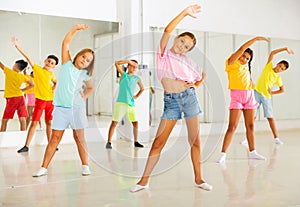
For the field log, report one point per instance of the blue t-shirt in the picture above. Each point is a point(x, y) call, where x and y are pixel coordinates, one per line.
point(126, 89)
point(69, 85)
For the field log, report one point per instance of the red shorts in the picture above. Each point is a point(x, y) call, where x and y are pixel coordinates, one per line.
point(40, 106)
point(13, 104)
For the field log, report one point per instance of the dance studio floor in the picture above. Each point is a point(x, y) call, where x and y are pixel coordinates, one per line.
point(241, 182)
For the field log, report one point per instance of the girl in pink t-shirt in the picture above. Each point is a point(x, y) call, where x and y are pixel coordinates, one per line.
point(179, 76)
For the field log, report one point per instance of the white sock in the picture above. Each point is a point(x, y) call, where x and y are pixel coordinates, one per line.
point(222, 157)
point(254, 155)
point(278, 141)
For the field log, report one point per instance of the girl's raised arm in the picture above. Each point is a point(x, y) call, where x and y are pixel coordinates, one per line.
point(189, 11)
point(65, 53)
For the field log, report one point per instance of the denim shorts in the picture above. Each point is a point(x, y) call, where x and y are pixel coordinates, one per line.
point(266, 103)
point(176, 104)
point(63, 117)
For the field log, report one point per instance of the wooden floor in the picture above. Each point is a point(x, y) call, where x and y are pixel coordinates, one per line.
point(240, 182)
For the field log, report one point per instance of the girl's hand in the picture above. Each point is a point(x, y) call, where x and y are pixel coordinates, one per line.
point(82, 95)
point(193, 9)
point(203, 75)
point(81, 26)
point(15, 41)
point(190, 84)
point(290, 51)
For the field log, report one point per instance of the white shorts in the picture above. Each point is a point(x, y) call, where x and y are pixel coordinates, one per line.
point(63, 117)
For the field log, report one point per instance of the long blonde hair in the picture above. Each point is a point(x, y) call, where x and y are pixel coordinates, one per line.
point(90, 68)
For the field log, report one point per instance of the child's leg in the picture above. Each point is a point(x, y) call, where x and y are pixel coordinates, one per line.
point(30, 111)
point(162, 135)
point(111, 130)
point(273, 127)
point(22, 121)
point(135, 130)
point(249, 124)
point(48, 128)
point(193, 128)
point(234, 117)
point(56, 137)
point(30, 133)
point(81, 145)
point(4, 125)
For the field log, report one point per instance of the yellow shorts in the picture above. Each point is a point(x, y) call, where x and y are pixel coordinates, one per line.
point(121, 109)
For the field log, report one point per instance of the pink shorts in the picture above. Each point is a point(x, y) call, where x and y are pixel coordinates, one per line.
point(30, 99)
point(242, 99)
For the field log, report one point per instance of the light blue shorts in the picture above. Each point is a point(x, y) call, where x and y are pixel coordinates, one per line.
point(176, 104)
point(63, 117)
point(266, 103)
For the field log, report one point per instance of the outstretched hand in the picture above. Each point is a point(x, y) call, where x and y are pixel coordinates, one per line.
point(193, 9)
point(81, 26)
point(15, 41)
point(290, 51)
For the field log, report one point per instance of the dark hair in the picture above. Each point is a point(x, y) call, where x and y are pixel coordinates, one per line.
point(191, 35)
point(90, 68)
point(134, 61)
point(21, 64)
point(54, 58)
point(250, 52)
point(285, 63)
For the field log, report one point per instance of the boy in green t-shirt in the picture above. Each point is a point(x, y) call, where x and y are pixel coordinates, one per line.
point(125, 100)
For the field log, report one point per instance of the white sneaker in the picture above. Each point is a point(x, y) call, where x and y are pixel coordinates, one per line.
point(204, 186)
point(244, 142)
point(278, 141)
point(137, 188)
point(41, 172)
point(254, 155)
point(222, 158)
point(85, 170)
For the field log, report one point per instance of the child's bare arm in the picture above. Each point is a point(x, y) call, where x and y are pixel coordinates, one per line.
point(189, 11)
point(68, 38)
point(15, 41)
point(1, 65)
point(237, 54)
point(89, 89)
point(274, 52)
point(141, 89)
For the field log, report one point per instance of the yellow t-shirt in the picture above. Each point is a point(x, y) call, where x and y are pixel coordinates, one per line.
point(43, 82)
point(31, 90)
point(13, 82)
point(239, 77)
point(267, 79)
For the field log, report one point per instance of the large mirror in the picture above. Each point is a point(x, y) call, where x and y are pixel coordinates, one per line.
point(41, 35)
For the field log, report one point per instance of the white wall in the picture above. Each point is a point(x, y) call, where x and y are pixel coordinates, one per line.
point(270, 18)
point(87, 9)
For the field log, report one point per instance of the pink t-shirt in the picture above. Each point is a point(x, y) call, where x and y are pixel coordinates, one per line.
point(176, 67)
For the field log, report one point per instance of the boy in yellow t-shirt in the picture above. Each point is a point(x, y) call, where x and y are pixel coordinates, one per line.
point(45, 83)
point(14, 95)
point(263, 89)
